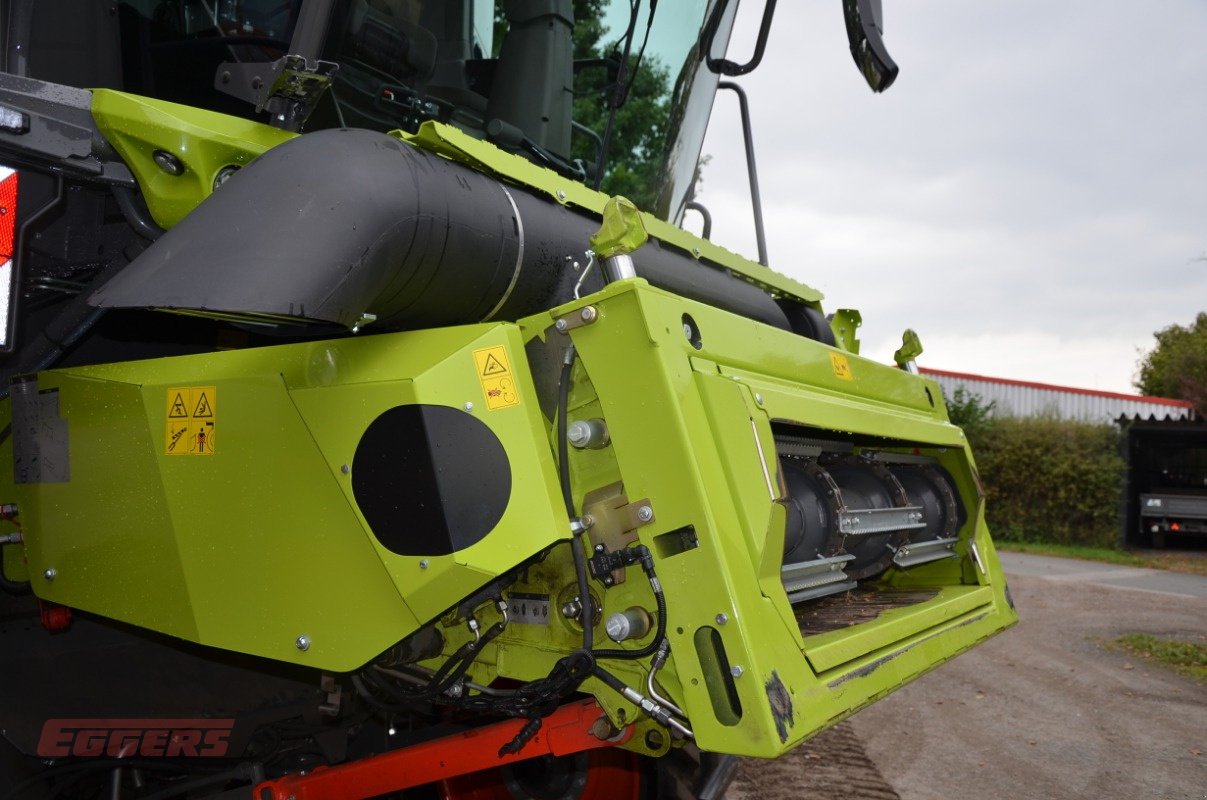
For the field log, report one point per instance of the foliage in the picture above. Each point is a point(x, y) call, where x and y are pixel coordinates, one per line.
point(1177, 366)
point(969, 411)
point(1051, 480)
point(1186, 657)
point(639, 132)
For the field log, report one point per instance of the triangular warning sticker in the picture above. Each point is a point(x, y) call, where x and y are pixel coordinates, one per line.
point(493, 366)
point(178, 410)
point(203, 408)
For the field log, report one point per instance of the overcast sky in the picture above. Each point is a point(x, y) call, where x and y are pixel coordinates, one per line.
point(1030, 196)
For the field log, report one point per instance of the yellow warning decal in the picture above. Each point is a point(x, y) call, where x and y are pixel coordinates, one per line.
point(842, 367)
point(495, 375)
point(192, 415)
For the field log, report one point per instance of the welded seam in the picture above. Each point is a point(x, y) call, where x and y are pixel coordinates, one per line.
point(519, 258)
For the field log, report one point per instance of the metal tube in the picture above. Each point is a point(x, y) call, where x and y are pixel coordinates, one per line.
point(751, 170)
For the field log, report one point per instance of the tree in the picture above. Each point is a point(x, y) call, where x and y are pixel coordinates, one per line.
point(1177, 366)
point(969, 411)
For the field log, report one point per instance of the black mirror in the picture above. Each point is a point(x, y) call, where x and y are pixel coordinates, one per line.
point(864, 27)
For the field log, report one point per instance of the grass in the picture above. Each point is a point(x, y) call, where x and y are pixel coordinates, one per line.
point(1172, 561)
point(1184, 657)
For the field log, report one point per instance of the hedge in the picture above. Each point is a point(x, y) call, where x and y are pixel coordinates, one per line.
point(1050, 480)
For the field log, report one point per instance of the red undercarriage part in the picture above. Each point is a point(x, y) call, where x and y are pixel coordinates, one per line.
point(571, 729)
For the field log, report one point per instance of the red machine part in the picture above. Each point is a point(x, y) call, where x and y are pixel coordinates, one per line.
point(54, 616)
point(571, 729)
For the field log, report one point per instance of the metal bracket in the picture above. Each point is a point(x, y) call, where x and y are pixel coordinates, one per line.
point(289, 87)
point(616, 520)
point(330, 707)
point(915, 553)
point(587, 315)
point(810, 579)
point(864, 521)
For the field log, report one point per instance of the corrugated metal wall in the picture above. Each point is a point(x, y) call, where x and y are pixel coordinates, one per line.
point(1023, 399)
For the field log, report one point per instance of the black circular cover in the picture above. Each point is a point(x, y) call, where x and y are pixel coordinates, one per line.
point(430, 480)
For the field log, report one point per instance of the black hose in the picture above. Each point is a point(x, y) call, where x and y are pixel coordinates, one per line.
point(647, 565)
point(10, 586)
point(563, 469)
point(137, 218)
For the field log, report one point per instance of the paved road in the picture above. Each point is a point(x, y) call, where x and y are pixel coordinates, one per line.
point(1043, 712)
point(1071, 570)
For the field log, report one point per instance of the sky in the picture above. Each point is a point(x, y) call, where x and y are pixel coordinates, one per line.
point(1030, 196)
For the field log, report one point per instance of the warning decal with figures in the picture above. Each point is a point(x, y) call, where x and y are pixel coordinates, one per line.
point(192, 413)
point(495, 375)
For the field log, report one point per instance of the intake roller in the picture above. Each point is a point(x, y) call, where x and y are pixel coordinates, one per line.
point(343, 227)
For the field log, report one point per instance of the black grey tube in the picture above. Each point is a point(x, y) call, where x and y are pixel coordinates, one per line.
point(342, 226)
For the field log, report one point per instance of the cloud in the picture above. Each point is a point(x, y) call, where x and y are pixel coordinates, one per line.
point(1037, 178)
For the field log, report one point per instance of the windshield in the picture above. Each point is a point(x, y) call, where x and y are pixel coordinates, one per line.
point(538, 79)
point(541, 85)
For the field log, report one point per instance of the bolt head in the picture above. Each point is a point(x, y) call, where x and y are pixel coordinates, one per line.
point(645, 513)
point(588, 314)
point(722, 618)
point(50, 574)
point(345, 469)
point(758, 398)
point(167, 162)
point(302, 643)
point(469, 406)
point(736, 670)
point(561, 195)
point(561, 325)
point(423, 563)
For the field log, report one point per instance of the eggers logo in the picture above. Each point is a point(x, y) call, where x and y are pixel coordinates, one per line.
point(124, 738)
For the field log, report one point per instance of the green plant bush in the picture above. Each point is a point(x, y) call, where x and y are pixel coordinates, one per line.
point(1050, 480)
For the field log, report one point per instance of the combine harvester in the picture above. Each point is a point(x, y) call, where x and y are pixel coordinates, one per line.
point(354, 445)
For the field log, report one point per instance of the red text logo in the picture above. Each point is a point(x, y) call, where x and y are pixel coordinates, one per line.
point(127, 738)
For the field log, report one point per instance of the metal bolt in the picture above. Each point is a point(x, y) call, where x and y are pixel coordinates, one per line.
point(224, 175)
point(167, 162)
point(423, 563)
point(758, 398)
point(469, 406)
point(302, 643)
point(645, 513)
point(589, 314)
point(599, 548)
point(50, 574)
point(608, 580)
point(561, 325)
point(736, 670)
point(722, 618)
point(561, 195)
point(687, 331)
point(345, 469)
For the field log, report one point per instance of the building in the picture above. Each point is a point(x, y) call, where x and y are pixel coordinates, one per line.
point(1028, 399)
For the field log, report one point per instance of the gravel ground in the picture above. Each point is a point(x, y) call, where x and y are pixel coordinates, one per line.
point(1043, 711)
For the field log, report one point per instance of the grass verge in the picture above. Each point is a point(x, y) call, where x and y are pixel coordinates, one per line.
point(1185, 657)
point(1174, 562)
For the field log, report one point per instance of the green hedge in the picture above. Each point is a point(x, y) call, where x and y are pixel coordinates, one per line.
point(1050, 480)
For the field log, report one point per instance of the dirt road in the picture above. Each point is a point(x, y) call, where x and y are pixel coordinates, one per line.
point(1042, 712)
